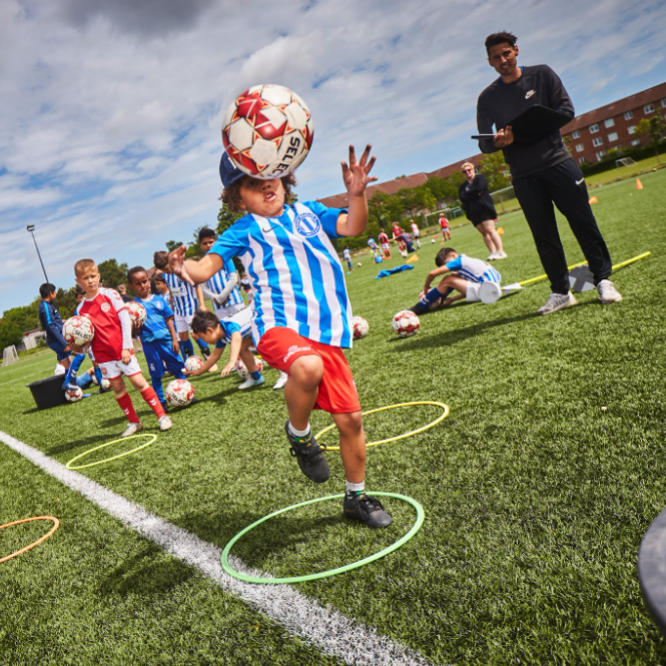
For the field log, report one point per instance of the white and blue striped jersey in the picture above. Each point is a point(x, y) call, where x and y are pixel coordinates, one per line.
point(219, 281)
point(297, 279)
point(474, 270)
point(184, 295)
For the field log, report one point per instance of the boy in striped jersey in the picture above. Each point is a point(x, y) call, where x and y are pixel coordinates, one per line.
point(185, 299)
point(234, 332)
point(465, 275)
point(301, 309)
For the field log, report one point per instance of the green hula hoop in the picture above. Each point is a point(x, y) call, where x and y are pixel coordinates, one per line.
point(331, 572)
point(441, 417)
point(120, 455)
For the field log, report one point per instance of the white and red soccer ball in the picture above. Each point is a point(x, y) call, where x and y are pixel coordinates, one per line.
point(179, 393)
point(267, 131)
point(406, 323)
point(106, 384)
point(360, 327)
point(78, 330)
point(193, 363)
point(137, 313)
point(73, 394)
point(241, 368)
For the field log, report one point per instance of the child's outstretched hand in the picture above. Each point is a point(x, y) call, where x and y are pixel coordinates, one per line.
point(177, 264)
point(227, 369)
point(355, 174)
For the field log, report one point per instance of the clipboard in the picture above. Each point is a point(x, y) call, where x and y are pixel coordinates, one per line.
point(534, 124)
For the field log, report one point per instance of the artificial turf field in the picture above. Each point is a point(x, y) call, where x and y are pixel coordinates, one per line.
point(536, 499)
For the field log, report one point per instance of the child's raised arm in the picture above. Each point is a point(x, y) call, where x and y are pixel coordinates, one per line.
point(355, 177)
point(194, 272)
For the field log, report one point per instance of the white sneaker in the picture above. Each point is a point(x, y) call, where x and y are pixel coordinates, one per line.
point(282, 380)
point(165, 423)
point(557, 302)
point(492, 256)
point(250, 382)
point(501, 255)
point(608, 293)
point(132, 429)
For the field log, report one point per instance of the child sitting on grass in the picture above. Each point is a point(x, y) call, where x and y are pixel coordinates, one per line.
point(112, 345)
point(236, 333)
point(301, 309)
point(465, 275)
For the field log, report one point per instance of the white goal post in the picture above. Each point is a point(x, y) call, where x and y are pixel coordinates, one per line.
point(624, 161)
point(9, 356)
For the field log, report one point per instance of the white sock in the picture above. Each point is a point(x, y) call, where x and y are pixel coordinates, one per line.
point(299, 433)
point(355, 487)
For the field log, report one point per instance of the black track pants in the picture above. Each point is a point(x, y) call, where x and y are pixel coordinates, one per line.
point(564, 186)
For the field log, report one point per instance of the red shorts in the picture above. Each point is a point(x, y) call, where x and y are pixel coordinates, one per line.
point(280, 347)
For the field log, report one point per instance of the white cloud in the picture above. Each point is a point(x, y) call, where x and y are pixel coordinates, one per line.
point(112, 138)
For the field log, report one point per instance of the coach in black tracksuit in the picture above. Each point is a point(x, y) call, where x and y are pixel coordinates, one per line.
point(543, 172)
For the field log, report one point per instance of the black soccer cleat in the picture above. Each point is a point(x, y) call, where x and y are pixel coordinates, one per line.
point(310, 458)
point(205, 352)
point(419, 309)
point(165, 406)
point(366, 509)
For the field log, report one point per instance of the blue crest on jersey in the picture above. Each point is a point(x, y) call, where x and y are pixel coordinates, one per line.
point(307, 224)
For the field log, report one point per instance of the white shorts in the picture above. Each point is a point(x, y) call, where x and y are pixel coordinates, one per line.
point(115, 369)
point(385, 246)
point(183, 323)
point(472, 295)
point(225, 312)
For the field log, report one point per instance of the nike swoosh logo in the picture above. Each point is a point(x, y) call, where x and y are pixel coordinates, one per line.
point(529, 94)
point(578, 182)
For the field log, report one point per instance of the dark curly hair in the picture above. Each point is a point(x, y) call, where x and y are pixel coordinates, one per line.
point(498, 38)
point(232, 199)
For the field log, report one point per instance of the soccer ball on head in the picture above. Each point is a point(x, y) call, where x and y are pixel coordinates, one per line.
point(267, 131)
point(406, 323)
point(360, 327)
point(137, 313)
point(73, 394)
point(241, 368)
point(179, 393)
point(78, 330)
point(193, 363)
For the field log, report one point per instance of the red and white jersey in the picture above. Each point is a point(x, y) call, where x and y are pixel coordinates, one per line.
point(383, 239)
point(443, 222)
point(415, 229)
point(103, 311)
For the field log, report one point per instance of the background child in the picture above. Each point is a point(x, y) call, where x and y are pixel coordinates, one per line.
point(416, 232)
point(51, 322)
point(465, 275)
point(301, 323)
point(372, 244)
point(445, 227)
point(158, 333)
point(112, 345)
point(346, 255)
point(185, 299)
point(384, 242)
point(234, 332)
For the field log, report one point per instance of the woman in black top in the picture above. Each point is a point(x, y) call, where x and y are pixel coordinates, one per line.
point(480, 210)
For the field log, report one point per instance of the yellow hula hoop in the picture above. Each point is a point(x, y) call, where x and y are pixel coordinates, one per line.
point(152, 437)
point(56, 524)
point(393, 439)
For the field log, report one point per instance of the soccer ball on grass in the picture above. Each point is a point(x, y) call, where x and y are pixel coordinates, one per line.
point(73, 394)
point(179, 393)
point(193, 363)
point(360, 327)
point(241, 368)
point(406, 323)
point(78, 330)
point(267, 131)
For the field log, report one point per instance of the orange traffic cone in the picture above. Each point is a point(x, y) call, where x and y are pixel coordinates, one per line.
point(500, 231)
point(639, 185)
point(593, 200)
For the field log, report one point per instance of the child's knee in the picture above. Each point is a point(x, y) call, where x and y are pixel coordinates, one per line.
point(349, 425)
point(307, 371)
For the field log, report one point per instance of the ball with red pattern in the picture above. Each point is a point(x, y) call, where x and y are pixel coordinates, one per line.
point(241, 368)
point(137, 313)
point(267, 131)
point(406, 323)
point(78, 330)
point(73, 394)
point(360, 327)
point(193, 363)
point(179, 393)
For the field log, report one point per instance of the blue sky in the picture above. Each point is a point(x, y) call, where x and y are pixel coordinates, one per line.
point(110, 140)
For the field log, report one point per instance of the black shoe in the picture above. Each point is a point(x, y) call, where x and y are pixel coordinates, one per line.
point(102, 390)
point(310, 458)
point(205, 353)
point(165, 406)
point(367, 509)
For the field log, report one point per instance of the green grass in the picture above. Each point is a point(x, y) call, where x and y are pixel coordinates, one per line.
point(536, 499)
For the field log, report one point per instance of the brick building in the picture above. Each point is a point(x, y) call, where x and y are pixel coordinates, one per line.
point(594, 133)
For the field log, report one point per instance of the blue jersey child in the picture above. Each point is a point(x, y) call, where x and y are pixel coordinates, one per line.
point(51, 323)
point(158, 333)
point(233, 331)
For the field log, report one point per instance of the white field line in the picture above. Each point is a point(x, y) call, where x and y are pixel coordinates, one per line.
point(328, 630)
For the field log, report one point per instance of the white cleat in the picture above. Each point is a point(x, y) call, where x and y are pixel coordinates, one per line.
point(132, 429)
point(492, 256)
point(250, 382)
point(281, 381)
point(557, 302)
point(501, 255)
point(608, 293)
point(165, 423)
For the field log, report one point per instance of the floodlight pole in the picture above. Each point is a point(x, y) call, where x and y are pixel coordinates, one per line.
point(31, 229)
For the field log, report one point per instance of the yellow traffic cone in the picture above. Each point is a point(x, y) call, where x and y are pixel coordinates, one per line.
point(500, 231)
point(412, 259)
